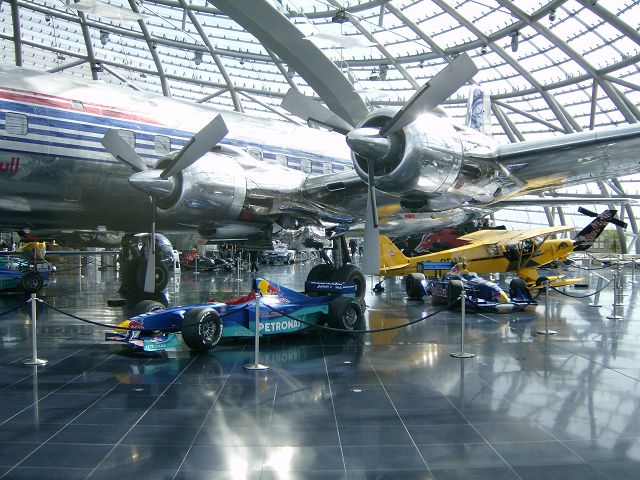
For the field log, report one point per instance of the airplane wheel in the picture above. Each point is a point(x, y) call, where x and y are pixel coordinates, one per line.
point(540, 283)
point(455, 290)
point(352, 274)
point(147, 306)
point(161, 276)
point(201, 329)
point(346, 314)
point(31, 282)
point(413, 285)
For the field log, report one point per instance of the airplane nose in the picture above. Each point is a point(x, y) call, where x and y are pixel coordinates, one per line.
point(149, 182)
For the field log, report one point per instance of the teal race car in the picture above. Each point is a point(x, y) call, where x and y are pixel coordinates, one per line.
point(28, 281)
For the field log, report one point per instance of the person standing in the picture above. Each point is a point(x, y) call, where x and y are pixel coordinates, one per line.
point(253, 261)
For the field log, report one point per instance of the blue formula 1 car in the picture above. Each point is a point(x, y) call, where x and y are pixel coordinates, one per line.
point(203, 325)
point(480, 294)
point(29, 281)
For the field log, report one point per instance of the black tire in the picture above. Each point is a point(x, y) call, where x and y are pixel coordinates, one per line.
point(129, 275)
point(201, 329)
point(352, 274)
point(320, 273)
point(31, 282)
point(147, 306)
point(518, 288)
point(454, 291)
point(413, 285)
point(345, 313)
point(540, 283)
point(161, 276)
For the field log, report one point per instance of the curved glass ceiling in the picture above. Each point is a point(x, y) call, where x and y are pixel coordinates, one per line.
point(551, 67)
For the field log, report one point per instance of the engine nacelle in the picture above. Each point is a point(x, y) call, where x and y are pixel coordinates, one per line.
point(423, 158)
point(211, 190)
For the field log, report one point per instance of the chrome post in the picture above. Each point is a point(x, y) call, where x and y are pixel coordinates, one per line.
point(614, 315)
point(596, 298)
point(546, 330)
point(618, 287)
point(462, 353)
point(256, 361)
point(34, 336)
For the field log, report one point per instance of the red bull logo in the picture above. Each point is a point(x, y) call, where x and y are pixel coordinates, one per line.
point(10, 167)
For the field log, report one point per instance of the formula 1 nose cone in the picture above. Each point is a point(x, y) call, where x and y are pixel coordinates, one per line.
point(150, 183)
point(368, 143)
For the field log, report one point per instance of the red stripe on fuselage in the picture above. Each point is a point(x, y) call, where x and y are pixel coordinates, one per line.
point(66, 104)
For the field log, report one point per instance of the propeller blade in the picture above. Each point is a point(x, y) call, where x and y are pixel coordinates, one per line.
point(308, 109)
point(122, 151)
point(371, 251)
point(433, 93)
point(587, 212)
point(618, 223)
point(150, 273)
point(368, 143)
point(197, 146)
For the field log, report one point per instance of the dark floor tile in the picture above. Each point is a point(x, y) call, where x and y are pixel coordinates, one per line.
point(373, 435)
point(401, 473)
point(125, 400)
point(563, 472)
point(618, 470)
point(141, 458)
point(47, 472)
point(28, 432)
point(45, 415)
point(114, 416)
point(161, 435)
point(216, 475)
point(382, 458)
point(513, 432)
point(302, 458)
point(68, 400)
point(66, 456)
point(302, 435)
point(522, 454)
point(461, 455)
point(367, 417)
point(183, 417)
point(13, 453)
point(91, 434)
point(429, 434)
point(439, 416)
point(475, 474)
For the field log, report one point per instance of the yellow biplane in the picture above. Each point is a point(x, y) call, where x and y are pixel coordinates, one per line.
point(494, 251)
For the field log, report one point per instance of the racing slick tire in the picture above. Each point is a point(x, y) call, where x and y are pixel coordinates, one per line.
point(31, 282)
point(345, 313)
point(201, 329)
point(352, 274)
point(320, 273)
point(161, 276)
point(454, 291)
point(147, 306)
point(413, 285)
point(518, 290)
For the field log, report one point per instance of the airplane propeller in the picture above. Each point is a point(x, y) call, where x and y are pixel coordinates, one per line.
point(157, 183)
point(375, 144)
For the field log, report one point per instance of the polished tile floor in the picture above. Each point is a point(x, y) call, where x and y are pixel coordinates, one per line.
point(391, 405)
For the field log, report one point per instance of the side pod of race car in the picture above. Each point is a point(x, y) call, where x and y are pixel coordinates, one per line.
point(154, 327)
point(480, 294)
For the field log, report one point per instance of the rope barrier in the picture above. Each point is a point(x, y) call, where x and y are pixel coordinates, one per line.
point(15, 308)
point(582, 296)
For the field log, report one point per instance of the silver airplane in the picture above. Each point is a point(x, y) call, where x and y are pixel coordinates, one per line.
point(240, 177)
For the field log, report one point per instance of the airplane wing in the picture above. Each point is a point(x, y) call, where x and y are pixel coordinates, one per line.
point(490, 237)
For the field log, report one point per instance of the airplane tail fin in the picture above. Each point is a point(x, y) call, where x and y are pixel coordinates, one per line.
point(478, 114)
point(585, 238)
point(390, 256)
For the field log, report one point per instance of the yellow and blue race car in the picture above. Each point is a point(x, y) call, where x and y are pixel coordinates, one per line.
point(281, 310)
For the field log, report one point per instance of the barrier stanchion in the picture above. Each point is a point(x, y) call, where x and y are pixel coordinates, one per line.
point(34, 336)
point(616, 304)
point(618, 286)
point(596, 298)
point(546, 330)
point(633, 270)
point(462, 353)
point(256, 365)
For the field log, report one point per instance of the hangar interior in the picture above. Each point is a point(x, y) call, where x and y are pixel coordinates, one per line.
point(390, 404)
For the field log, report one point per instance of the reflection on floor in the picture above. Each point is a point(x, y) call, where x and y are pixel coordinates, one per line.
point(385, 405)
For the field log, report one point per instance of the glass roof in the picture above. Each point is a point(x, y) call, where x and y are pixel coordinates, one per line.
point(551, 66)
